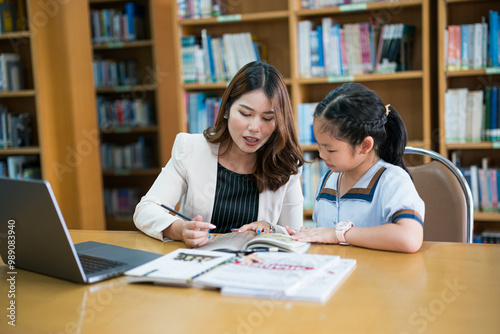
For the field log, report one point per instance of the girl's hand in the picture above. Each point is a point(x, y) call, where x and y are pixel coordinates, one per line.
point(195, 233)
point(325, 235)
point(291, 231)
point(258, 227)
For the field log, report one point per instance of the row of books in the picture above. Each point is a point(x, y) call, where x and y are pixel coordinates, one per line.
point(11, 72)
point(305, 113)
point(120, 202)
point(12, 15)
point(315, 4)
point(311, 174)
point(15, 129)
point(215, 59)
point(124, 113)
point(113, 73)
point(472, 116)
point(118, 25)
point(330, 50)
point(484, 183)
point(127, 157)
point(202, 110)
point(467, 46)
point(196, 9)
point(489, 236)
point(20, 167)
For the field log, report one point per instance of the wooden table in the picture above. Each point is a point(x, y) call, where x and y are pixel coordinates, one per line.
point(444, 288)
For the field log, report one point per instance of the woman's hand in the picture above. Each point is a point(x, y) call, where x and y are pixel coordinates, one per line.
point(258, 227)
point(325, 235)
point(192, 233)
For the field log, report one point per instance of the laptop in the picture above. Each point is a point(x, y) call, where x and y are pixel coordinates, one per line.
point(34, 235)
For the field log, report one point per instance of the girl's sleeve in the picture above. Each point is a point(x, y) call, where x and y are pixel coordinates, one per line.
point(401, 199)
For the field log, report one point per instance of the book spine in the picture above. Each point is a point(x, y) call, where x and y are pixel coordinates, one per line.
point(494, 188)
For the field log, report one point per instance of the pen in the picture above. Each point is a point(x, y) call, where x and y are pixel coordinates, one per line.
point(259, 249)
point(250, 250)
point(173, 211)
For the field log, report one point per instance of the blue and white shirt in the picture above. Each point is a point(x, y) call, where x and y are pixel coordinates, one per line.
point(384, 194)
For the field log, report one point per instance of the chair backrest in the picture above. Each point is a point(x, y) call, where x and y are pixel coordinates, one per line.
point(449, 213)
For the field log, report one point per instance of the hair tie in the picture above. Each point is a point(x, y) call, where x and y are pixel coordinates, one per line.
point(387, 110)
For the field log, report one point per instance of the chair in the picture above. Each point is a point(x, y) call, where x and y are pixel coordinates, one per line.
point(449, 213)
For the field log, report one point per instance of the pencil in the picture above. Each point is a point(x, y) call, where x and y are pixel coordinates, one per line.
point(175, 212)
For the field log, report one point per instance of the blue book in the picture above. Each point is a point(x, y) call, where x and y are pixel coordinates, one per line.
point(321, 58)
point(135, 21)
point(129, 11)
point(335, 38)
point(256, 51)
point(494, 112)
point(207, 55)
point(493, 35)
point(202, 113)
point(192, 112)
point(464, 64)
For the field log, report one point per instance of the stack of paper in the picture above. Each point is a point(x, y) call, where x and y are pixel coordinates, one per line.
point(318, 289)
point(272, 273)
point(276, 275)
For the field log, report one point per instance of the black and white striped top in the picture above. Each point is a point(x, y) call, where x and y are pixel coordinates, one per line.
point(236, 200)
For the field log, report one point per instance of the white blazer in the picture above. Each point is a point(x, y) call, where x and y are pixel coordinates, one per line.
point(191, 175)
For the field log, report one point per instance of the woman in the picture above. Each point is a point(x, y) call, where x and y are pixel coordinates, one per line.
point(243, 173)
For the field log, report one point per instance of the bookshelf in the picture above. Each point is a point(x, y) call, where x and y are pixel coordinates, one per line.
point(18, 98)
point(453, 13)
point(275, 25)
point(132, 79)
point(53, 65)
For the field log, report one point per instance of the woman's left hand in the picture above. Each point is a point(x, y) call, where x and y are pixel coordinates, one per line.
point(259, 226)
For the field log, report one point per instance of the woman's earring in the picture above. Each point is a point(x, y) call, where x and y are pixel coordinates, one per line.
point(226, 116)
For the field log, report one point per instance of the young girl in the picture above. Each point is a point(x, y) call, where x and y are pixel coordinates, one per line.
point(367, 198)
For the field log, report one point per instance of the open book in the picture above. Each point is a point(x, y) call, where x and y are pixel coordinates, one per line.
point(318, 289)
point(178, 268)
point(274, 273)
point(236, 241)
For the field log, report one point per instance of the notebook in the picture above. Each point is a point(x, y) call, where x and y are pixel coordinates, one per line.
point(34, 237)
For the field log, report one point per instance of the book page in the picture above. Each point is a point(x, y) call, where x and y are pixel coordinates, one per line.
point(318, 289)
point(233, 241)
point(283, 242)
point(180, 265)
point(277, 272)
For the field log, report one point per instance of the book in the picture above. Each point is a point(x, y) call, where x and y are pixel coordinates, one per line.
point(11, 72)
point(178, 268)
point(318, 289)
point(23, 167)
point(272, 272)
point(236, 241)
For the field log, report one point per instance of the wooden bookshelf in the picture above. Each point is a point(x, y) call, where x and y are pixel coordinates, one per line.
point(154, 73)
point(458, 12)
point(275, 25)
point(57, 95)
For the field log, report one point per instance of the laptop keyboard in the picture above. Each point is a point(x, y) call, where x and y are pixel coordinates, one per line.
point(92, 264)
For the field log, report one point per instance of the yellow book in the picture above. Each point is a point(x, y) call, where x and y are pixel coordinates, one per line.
point(7, 15)
point(21, 16)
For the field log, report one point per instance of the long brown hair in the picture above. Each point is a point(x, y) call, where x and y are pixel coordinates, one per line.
point(281, 156)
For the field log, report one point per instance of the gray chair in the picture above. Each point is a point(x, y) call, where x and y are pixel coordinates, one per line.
point(449, 212)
